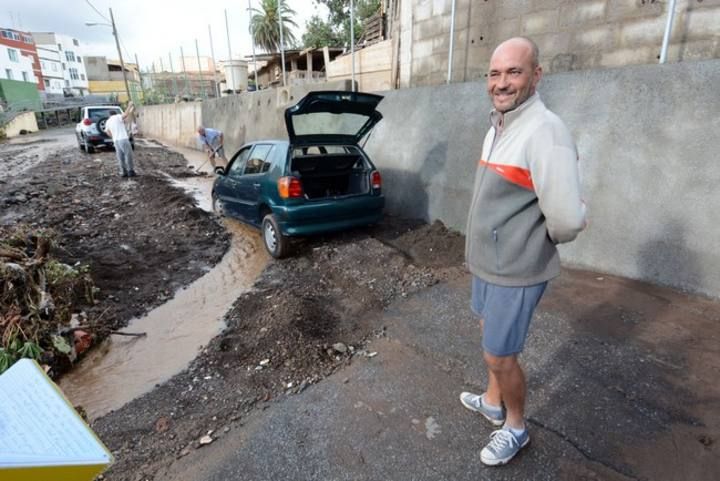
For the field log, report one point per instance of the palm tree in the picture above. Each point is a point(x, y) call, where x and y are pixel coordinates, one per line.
point(266, 28)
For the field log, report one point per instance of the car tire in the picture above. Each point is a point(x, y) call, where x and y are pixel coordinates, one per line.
point(218, 206)
point(274, 241)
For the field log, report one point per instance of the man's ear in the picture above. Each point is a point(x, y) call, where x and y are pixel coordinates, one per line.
point(537, 74)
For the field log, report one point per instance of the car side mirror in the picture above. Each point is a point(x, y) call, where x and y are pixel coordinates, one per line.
point(220, 170)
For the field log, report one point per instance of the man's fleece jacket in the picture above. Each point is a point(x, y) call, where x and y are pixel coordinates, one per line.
point(526, 198)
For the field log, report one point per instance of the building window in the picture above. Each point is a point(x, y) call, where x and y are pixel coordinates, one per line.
point(74, 74)
point(70, 55)
point(12, 53)
point(78, 59)
point(8, 74)
point(76, 43)
point(42, 65)
point(82, 76)
point(60, 47)
point(54, 66)
point(5, 33)
point(25, 77)
point(63, 66)
point(47, 83)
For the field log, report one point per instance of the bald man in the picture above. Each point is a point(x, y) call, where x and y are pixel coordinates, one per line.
point(526, 200)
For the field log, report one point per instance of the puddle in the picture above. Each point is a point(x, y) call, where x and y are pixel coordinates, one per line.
point(123, 368)
point(200, 188)
point(21, 153)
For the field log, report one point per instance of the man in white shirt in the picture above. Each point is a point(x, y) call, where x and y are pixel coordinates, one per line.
point(115, 128)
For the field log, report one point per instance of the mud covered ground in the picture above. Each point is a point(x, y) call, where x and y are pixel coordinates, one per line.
point(306, 316)
point(141, 238)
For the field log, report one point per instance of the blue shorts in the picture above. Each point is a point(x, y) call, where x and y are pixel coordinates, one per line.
point(506, 314)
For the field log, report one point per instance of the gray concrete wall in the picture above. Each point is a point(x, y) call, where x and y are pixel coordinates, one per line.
point(648, 142)
point(242, 118)
point(571, 34)
point(647, 137)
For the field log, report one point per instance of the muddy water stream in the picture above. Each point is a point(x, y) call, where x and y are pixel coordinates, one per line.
point(123, 368)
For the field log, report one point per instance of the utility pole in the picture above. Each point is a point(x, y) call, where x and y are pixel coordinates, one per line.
point(212, 53)
point(452, 42)
point(142, 87)
point(232, 67)
point(122, 64)
point(282, 41)
point(200, 74)
point(352, 42)
point(252, 42)
point(172, 74)
point(182, 58)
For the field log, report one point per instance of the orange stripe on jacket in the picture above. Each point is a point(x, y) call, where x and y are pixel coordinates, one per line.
point(515, 175)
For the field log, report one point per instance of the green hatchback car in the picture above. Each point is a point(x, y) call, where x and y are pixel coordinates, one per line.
point(319, 181)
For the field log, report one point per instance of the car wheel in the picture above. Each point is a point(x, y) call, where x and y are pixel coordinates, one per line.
point(218, 206)
point(87, 146)
point(275, 242)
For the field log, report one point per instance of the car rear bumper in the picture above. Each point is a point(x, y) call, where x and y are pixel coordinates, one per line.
point(333, 215)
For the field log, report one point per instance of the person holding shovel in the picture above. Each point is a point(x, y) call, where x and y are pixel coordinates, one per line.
point(212, 141)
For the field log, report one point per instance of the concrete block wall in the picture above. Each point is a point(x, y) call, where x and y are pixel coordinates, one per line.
point(174, 123)
point(372, 67)
point(242, 118)
point(648, 157)
point(646, 137)
point(571, 34)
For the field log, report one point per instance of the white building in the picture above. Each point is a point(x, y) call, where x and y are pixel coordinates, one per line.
point(52, 71)
point(15, 66)
point(71, 55)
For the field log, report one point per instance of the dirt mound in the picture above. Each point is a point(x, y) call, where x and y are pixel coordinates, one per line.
point(141, 239)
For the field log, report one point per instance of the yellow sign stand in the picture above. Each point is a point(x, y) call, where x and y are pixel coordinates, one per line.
point(42, 437)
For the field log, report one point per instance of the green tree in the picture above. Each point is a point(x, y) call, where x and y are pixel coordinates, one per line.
point(266, 28)
point(319, 33)
point(339, 18)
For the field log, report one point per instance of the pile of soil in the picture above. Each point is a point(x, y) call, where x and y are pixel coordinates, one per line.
point(142, 238)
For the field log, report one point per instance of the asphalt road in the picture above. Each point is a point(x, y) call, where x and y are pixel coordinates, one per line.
point(622, 385)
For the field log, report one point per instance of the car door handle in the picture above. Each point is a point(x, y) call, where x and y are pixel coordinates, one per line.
point(256, 185)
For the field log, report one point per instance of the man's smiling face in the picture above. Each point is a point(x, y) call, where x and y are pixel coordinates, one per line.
point(513, 75)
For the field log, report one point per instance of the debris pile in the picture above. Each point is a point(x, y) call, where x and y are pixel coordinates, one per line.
point(39, 301)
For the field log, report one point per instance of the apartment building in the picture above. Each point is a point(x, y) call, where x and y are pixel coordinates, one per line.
point(18, 57)
point(51, 67)
point(71, 60)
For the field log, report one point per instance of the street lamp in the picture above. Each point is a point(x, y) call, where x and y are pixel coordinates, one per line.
point(117, 44)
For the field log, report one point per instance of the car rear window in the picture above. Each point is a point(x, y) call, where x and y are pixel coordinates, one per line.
point(97, 114)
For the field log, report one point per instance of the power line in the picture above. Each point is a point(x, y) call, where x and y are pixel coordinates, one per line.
point(97, 11)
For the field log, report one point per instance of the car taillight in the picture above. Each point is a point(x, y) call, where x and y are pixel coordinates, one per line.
point(87, 122)
point(376, 180)
point(290, 188)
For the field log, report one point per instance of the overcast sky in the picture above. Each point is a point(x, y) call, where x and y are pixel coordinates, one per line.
point(149, 28)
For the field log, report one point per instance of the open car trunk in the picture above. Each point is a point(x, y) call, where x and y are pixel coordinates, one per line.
point(331, 175)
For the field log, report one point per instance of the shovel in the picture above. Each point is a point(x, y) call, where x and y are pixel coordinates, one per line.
point(211, 156)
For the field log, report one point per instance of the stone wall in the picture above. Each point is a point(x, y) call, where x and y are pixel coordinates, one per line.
point(571, 34)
